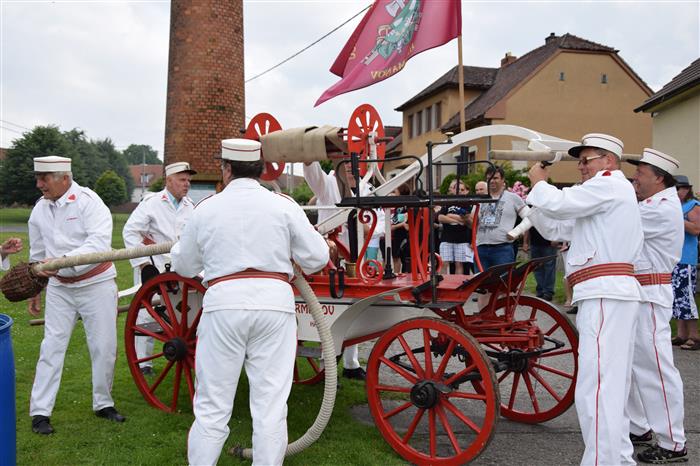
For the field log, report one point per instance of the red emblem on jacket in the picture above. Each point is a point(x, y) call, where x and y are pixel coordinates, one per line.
point(72, 197)
point(607, 173)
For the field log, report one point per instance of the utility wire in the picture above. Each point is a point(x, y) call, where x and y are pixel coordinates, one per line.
point(309, 46)
point(15, 124)
point(10, 129)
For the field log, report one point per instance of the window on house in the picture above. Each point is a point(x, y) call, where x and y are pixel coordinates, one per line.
point(437, 114)
point(427, 119)
point(410, 126)
point(603, 78)
point(562, 76)
point(419, 123)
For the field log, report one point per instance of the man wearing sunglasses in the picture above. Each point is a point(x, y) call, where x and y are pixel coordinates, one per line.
point(601, 219)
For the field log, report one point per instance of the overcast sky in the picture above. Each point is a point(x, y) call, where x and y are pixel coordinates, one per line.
point(102, 66)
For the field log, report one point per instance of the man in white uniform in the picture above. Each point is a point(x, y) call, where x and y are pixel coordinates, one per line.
point(9, 246)
point(70, 220)
point(157, 219)
point(245, 239)
point(656, 395)
point(327, 190)
point(601, 219)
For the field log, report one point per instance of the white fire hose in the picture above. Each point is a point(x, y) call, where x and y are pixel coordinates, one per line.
point(324, 331)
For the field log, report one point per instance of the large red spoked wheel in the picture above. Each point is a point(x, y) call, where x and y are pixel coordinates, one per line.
point(541, 387)
point(308, 367)
point(363, 121)
point(260, 125)
point(174, 304)
point(420, 388)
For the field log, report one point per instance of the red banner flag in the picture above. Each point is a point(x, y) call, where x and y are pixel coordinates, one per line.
point(390, 34)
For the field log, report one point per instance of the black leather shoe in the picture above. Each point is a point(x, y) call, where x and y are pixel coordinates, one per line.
point(357, 374)
point(42, 425)
point(111, 414)
point(573, 310)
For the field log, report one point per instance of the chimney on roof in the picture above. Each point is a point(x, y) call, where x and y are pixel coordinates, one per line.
point(550, 38)
point(508, 59)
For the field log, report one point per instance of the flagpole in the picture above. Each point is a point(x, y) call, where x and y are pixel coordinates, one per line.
point(460, 77)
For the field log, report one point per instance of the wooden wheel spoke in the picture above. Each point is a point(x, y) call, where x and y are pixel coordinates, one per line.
point(189, 380)
point(149, 358)
point(467, 396)
point(397, 410)
point(554, 371)
point(546, 385)
point(176, 385)
point(167, 328)
point(533, 313)
point(157, 336)
point(412, 427)
point(195, 323)
point(461, 416)
point(428, 354)
point(393, 388)
point(516, 381)
point(552, 328)
point(399, 370)
point(312, 363)
point(459, 374)
point(432, 428)
point(446, 358)
point(556, 353)
point(450, 433)
point(412, 357)
point(503, 377)
point(160, 378)
point(168, 306)
point(531, 392)
point(296, 372)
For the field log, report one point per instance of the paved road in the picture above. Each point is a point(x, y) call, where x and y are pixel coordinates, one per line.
point(558, 442)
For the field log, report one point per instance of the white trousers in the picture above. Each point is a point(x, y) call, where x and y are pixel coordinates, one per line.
point(351, 357)
point(606, 337)
point(263, 341)
point(97, 305)
point(656, 396)
point(143, 345)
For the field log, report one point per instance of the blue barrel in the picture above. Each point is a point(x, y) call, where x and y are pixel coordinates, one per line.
point(8, 435)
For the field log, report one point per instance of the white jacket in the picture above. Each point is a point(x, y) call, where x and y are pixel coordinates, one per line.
point(77, 223)
point(155, 220)
point(664, 233)
point(601, 220)
point(246, 226)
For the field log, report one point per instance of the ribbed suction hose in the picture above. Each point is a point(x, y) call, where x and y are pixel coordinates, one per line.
point(331, 370)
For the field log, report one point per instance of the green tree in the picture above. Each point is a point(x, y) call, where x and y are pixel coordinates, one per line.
point(302, 194)
point(92, 162)
point(111, 188)
point(135, 154)
point(157, 185)
point(17, 183)
point(117, 162)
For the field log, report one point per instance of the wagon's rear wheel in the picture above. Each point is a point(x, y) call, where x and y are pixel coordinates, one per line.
point(420, 391)
point(260, 125)
point(175, 305)
point(308, 367)
point(542, 387)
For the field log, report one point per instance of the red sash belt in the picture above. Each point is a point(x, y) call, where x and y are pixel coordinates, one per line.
point(250, 273)
point(103, 267)
point(646, 279)
point(600, 270)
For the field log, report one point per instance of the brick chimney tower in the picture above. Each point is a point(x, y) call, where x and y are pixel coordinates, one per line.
point(206, 91)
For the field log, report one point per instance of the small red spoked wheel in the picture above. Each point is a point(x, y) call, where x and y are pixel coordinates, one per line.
point(539, 388)
point(174, 305)
point(308, 367)
point(363, 121)
point(260, 125)
point(421, 393)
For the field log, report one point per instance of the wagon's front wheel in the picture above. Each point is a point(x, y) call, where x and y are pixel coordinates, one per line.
point(421, 392)
point(541, 387)
point(174, 307)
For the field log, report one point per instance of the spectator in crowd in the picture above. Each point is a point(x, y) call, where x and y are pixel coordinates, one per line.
point(455, 241)
point(399, 232)
point(684, 277)
point(496, 219)
point(481, 188)
point(545, 275)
